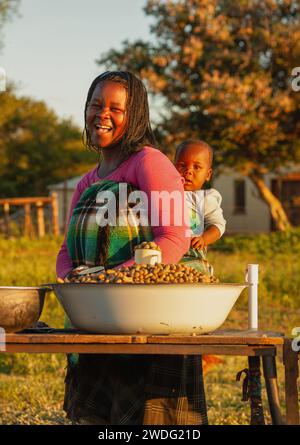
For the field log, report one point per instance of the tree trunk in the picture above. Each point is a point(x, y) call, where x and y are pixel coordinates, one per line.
point(277, 211)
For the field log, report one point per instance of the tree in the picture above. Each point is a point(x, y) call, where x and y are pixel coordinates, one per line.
point(36, 147)
point(7, 9)
point(223, 71)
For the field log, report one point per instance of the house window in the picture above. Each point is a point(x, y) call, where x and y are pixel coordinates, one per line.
point(239, 196)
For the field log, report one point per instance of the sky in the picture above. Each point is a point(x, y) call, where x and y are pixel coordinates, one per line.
point(50, 49)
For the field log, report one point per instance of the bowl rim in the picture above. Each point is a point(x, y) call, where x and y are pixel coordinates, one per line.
point(23, 287)
point(150, 284)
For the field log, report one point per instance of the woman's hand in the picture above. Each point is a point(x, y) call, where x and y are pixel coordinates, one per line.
point(73, 273)
point(198, 242)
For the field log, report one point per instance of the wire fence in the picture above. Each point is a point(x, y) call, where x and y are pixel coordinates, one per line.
point(14, 224)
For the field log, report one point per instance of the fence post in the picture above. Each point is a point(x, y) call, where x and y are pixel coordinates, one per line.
point(6, 218)
point(27, 228)
point(54, 204)
point(40, 219)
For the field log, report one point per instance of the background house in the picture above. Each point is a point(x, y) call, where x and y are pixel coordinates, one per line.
point(243, 208)
point(246, 212)
point(64, 192)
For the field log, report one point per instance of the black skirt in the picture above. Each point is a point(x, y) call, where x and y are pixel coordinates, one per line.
point(136, 390)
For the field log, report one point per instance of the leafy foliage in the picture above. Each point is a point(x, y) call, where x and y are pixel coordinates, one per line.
point(8, 8)
point(222, 70)
point(263, 244)
point(36, 147)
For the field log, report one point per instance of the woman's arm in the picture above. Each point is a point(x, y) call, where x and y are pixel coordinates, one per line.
point(156, 173)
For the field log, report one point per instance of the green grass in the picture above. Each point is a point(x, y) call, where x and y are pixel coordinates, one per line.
point(32, 385)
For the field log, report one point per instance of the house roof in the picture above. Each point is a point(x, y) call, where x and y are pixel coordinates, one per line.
point(69, 184)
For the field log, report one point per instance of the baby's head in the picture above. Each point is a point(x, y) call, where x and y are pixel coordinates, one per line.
point(193, 160)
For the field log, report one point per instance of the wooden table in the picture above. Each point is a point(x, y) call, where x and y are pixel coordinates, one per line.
point(256, 345)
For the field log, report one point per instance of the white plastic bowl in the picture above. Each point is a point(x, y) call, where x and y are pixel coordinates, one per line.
point(147, 308)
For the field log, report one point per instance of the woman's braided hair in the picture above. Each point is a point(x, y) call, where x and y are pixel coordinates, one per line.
point(138, 132)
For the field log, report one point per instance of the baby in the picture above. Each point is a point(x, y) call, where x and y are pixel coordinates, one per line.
point(193, 160)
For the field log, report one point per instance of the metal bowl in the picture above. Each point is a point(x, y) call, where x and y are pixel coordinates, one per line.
point(20, 307)
point(147, 308)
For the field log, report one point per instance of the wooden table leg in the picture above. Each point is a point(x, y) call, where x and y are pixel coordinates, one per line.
point(270, 374)
point(291, 371)
point(257, 413)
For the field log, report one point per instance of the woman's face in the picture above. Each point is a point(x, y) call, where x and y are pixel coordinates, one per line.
point(106, 114)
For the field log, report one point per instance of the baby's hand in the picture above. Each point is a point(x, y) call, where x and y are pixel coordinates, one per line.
point(197, 242)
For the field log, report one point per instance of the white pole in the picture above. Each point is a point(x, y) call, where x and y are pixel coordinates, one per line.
point(252, 280)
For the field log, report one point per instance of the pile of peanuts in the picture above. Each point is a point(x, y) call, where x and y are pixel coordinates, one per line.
point(147, 274)
point(148, 245)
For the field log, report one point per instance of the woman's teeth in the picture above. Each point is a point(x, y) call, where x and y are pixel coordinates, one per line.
point(103, 128)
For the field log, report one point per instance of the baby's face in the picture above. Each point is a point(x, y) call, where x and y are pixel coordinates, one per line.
point(193, 163)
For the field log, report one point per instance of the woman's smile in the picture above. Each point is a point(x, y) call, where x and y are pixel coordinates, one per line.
point(102, 129)
point(106, 114)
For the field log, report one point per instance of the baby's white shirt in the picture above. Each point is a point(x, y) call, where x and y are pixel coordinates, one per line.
point(213, 213)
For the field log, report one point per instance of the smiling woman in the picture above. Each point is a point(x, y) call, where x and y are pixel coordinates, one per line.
point(118, 389)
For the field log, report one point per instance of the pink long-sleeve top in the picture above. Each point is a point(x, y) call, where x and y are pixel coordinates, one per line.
point(148, 170)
